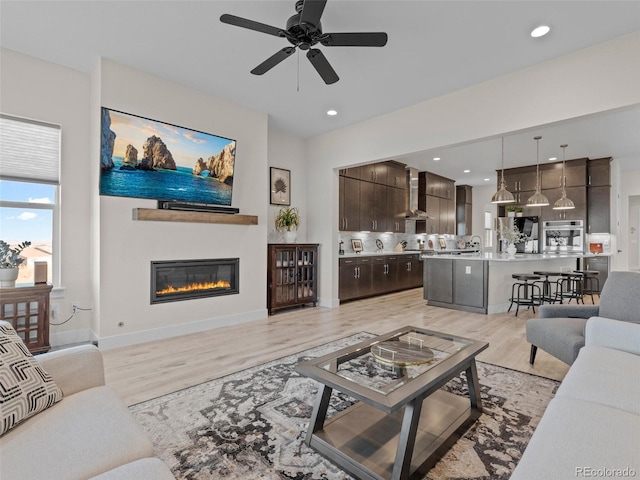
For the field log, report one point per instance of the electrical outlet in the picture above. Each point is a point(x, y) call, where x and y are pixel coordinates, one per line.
point(467, 269)
point(55, 310)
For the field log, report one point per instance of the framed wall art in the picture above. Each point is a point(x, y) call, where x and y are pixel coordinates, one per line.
point(280, 186)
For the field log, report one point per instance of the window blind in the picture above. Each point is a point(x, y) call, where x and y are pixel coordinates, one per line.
point(29, 150)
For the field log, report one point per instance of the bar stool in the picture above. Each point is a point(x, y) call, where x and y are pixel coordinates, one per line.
point(524, 291)
point(571, 284)
point(589, 277)
point(547, 295)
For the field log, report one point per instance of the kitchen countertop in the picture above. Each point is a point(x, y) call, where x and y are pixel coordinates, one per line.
point(519, 257)
point(376, 254)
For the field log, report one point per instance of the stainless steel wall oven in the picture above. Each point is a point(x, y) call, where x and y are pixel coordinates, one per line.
point(560, 236)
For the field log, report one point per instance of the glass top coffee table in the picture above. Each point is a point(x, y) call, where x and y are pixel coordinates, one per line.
point(403, 422)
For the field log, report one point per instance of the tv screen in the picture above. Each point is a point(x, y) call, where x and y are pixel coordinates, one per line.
point(145, 158)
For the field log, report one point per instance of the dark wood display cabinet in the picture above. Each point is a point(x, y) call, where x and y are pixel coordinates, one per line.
point(292, 275)
point(27, 309)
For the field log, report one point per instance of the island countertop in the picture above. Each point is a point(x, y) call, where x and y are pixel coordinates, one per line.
point(518, 257)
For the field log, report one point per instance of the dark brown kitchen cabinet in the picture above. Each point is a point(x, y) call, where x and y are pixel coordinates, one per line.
point(575, 172)
point(521, 179)
point(396, 175)
point(447, 217)
point(292, 275)
point(384, 274)
point(369, 199)
point(430, 205)
point(396, 210)
point(349, 204)
point(354, 278)
point(599, 196)
point(464, 206)
point(601, 265)
point(578, 195)
point(436, 196)
point(351, 172)
point(599, 172)
point(361, 277)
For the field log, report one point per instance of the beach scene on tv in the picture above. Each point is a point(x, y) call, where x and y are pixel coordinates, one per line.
point(146, 158)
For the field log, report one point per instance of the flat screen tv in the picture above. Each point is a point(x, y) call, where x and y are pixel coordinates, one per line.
point(145, 158)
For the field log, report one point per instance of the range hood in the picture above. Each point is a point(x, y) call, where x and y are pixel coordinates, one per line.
point(413, 212)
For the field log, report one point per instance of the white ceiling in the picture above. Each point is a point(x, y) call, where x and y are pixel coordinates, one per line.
point(434, 47)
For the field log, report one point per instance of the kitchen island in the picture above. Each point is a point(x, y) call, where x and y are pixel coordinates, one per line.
point(481, 282)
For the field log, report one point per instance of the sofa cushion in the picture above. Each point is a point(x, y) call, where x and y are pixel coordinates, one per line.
point(84, 435)
point(605, 376)
point(25, 387)
point(619, 299)
point(145, 469)
point(577, 439)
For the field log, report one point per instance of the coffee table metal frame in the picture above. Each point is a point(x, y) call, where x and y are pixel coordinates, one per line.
point(400, 434)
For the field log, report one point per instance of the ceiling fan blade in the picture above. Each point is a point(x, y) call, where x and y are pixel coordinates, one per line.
point(322, 66)
point(251, 25)
point(312, 11)
point(273, 60)
point(355, 39)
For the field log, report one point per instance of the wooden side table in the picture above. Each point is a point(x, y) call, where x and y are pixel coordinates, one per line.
point(27, 309)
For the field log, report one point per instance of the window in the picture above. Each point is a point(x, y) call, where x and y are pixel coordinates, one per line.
point(29, 177)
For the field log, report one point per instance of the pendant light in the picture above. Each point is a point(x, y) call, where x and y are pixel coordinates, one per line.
point(503, 195)
point(563, 203)
point(537, 199)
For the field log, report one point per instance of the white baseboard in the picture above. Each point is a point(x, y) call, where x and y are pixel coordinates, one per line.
point(329, 302)
point(72, 337)
point(134, 338)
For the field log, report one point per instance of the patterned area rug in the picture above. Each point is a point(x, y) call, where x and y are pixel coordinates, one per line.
point(251, 425)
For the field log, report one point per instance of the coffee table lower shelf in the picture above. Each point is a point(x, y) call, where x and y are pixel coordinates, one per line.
point(363, 439)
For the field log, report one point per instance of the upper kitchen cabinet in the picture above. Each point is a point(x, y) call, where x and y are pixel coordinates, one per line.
point(599, 195)
point(521, 179)
point(351, 172)
point(578, 195)
point(369, 200)
point(436, 196)
point(575, 172)
point(463, 209)
point(349, 204)
point(396, 175)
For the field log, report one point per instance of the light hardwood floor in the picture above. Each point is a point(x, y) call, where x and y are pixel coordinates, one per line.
point(148, 370)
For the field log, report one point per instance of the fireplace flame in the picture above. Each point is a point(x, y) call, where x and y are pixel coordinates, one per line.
point(194, 287)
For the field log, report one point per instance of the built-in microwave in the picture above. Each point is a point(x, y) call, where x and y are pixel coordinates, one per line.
point(563, 236)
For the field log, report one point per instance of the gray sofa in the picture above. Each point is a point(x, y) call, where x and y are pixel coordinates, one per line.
point(90, 433)
point(559, 329)
point(592, 426)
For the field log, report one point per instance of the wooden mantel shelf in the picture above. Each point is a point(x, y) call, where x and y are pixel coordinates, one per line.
point(158, 215)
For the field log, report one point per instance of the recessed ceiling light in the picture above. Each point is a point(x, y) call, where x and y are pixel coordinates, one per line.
point(551, 159)
point(466, 171)
point(487, 179)
point(331, 113)
point(436, 159)
point(540, 31)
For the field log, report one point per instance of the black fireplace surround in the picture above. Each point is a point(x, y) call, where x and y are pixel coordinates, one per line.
point(176, 280)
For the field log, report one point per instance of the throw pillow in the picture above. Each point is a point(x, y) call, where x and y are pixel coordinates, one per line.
point(25, 388)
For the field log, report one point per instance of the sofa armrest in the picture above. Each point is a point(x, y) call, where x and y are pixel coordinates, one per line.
point(568, 311)
point(605, 332)
point(74, 369)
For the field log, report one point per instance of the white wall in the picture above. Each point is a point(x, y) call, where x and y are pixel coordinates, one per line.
point(127, 247)
point(44, 91)
point(592, 80)
point(288, 152)
point(627, 203)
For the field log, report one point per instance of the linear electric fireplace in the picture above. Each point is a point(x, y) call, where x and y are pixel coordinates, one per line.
point(176, 280)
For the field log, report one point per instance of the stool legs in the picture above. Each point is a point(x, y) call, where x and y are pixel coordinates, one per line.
point(532, 354)
point(525, 293)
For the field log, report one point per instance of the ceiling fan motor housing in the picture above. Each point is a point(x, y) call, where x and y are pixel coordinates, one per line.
point(303, 35)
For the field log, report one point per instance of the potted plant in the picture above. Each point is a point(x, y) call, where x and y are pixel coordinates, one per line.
point(511, 236)
point(513, 210)
point(10, 261)
point(288, 221)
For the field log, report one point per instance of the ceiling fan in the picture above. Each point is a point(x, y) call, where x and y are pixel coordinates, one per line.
point(303, 31)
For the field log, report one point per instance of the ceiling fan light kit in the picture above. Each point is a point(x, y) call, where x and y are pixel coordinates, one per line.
point(537, 199)
point(304, 31)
